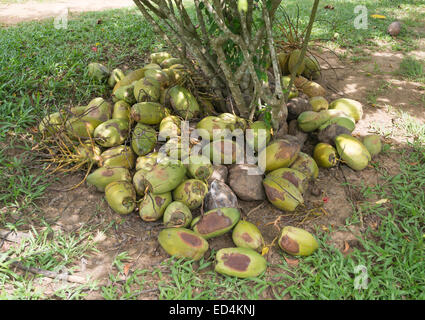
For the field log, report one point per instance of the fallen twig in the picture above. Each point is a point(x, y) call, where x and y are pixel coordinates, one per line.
point(51, 274)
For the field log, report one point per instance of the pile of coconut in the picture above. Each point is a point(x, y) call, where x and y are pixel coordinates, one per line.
point(157, 151)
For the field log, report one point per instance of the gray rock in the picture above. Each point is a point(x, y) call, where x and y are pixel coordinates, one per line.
point(246, 180)
point(220, 195)
point(220, 173)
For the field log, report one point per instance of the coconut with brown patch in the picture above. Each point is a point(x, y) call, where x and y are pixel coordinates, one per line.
point(306, 165)
point(165, 176)
point(200, 167)
point(247, 235)
point(183, 243)
point(216, 222)
point(147, 89)
point(240, 262)
point(148, 112)
point(111, 133)
point(101, 177)
point(297, 242)
point(213, 128)
point(223, 151)
point(143, 139)
point(153, 206)
point(121, 110)
point(279, 154)
point(191, 192)
point(282, 194)
point(121, 156)
point(177, 215)
point(297, 178)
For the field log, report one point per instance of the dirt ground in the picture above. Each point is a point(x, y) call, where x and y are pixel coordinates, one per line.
point(34, 10)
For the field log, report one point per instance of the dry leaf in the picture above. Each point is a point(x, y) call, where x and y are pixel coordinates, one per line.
point(378, 16)
point(127, 269)
point(265, 251)
point(292, 262)
point(382, 201)
point(346, 247)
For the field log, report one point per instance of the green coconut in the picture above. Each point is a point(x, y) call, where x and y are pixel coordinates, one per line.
point(183, 102)
point(121, 110)
point(373, 144)
point(319, 103)
point(147, 89)
point(297, 178)
point(121, 197)
point(148, 112)
point(125, 93)
point(352, 152)
point(159, 57)
point(143, 139)
point(200, 167)
point(116, 76)
point(170, 62)
point(169, 127)
point(325, 155)
point(146, 162)
point(293, 59)
point(79, 128)
point(312, 68)
point(351, 107)
point(129, 79)
point(165, 176)
point(88, 152)
point(98, 71)
point(223, 151)
point(158, 75)
point(258, 135)
point(51, 123)
point(283, 58)
point(309, 121)
point(97, 111)
point(213, 128)
point(286, 80)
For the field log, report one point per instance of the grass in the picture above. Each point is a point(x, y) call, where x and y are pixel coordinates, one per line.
point(412, 69)
point(43, 69)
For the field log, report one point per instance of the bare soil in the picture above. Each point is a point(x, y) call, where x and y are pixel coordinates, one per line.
point(13, 13)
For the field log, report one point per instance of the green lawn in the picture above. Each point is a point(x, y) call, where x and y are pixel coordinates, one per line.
point(43, 69)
